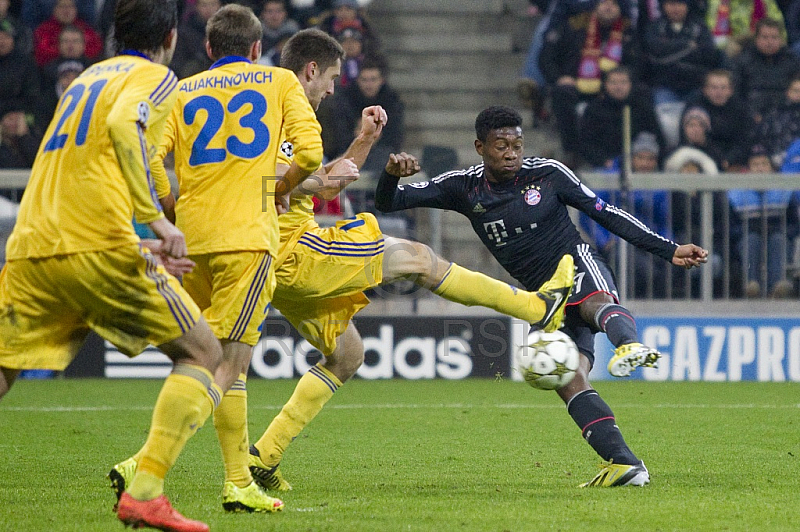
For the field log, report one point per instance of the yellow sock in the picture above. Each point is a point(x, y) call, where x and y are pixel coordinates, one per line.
point(230, 420)
point(313, 390)
point(184, 404)
point(472, 288)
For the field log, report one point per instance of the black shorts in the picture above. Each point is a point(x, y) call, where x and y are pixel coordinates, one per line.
point(592, 275)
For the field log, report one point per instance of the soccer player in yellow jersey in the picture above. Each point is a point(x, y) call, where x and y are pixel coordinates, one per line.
point(225, 131)
point(323, 272)
point(75, 263)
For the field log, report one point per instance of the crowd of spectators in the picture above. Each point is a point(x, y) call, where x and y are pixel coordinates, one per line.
point(46, 44)
point(718, 80)
point(714, 85)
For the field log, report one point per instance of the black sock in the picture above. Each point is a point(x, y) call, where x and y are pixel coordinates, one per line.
point(596, 421)
point(618, 324)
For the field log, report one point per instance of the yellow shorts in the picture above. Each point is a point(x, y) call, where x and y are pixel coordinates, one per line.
point(234, 291)
point(47, 306)
point(321, 282)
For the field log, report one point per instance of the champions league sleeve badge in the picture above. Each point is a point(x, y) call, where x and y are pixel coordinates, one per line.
point(143, 112)
point(287, 148)
point(599, 204)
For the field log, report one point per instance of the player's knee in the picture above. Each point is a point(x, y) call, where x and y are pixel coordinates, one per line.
point(589, 308)
point(411, 259)
point(199, 347)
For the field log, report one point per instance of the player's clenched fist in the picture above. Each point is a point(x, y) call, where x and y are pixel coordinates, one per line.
point(372, 121)
point(402, 165)
point(689, 256)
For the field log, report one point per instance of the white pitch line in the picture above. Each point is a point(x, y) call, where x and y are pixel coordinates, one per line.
point(406, 406)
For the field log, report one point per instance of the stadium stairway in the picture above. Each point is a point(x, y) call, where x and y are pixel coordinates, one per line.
point(448, 60)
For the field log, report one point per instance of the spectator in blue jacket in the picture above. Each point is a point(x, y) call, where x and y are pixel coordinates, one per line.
point(767, 226)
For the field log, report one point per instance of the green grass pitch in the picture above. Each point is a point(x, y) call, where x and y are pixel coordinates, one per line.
point(474, 455)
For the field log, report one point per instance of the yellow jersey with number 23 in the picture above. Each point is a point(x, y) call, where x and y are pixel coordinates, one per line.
point(225, 131)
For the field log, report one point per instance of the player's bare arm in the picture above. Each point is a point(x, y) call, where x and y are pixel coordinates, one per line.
point(173, 243)
point(328, 181)
point(373, 120)
point(168, 205)
point(339, 172)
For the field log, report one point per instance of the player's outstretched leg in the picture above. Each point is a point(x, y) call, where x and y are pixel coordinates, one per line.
point(543, 309)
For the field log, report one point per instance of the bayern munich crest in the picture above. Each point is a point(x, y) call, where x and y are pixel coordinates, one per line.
point(532, 196)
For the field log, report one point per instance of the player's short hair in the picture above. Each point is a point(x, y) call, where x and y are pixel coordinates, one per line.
point(311, 45)
point(232, 31)
point(143, 25)
point(496, 117)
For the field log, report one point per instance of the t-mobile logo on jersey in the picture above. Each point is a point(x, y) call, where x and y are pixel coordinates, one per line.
point(496, 231)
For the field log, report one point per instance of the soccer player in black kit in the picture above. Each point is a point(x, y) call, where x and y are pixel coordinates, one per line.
point(518, 207)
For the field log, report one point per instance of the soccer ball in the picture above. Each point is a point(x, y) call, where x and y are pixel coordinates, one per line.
point(549, 360)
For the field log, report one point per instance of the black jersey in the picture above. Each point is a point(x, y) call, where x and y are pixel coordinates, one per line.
point(524, 221)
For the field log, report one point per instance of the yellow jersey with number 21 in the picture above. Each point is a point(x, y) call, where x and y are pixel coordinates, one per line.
point(92, 171)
